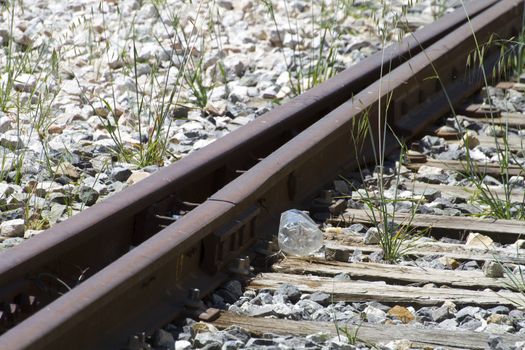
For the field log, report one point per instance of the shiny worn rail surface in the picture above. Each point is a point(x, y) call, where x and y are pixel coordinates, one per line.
point(147, 286)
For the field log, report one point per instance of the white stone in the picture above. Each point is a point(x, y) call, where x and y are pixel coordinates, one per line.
point(25, 83)
point(372, 236)
point(475, 239)
point(12, 228)
point(183, 345)
point(71, 87)
point(374, 315)
point(137, 176)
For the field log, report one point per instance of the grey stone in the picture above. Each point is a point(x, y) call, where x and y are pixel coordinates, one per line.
point(374, 315)
point(431, 175)
point(468, 208)
point(441, 313)
point(234, 287)
point(257, 311)
point(493, 269)
point(266, 298)
point(285, 311)
point(452, 212)
point(87, 195)
point(372, 236)
point(471, 324)
point(500, 309)
point(321, 298)
point(320, 337)
point(120, 173)
point(54, 213)
point(11, 141)
point(12, 228)
point(342, 277)
point(496, 343)
point(491, 181)
point(238, 333)
point(208, 338)
point(449, 324)
point(260, 343)
point(212, 346)
point(469, 311)
point(307, 307)
point(342, 187)
point(425, 314)
point(164, 340)
point(291, 292)
point(495, 328)
point(357, 228)
point(469, 266)
point(339, 345)
point(232, 345)
point(517, 314)
point(429, 194)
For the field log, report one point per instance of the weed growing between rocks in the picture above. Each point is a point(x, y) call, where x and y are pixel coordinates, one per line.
point(314, 61)
point(395, 240)
point(501, 207)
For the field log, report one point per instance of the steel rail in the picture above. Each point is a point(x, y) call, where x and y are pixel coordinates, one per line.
point(148, 285)
point(84, 244)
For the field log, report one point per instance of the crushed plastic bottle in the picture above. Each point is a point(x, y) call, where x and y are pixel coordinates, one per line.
point(298, 234)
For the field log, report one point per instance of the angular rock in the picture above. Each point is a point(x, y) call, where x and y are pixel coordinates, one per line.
point(120, 173)
point(321, 298)
point(12, 228)
point(441, 313)
point(372, 236)
point(401, 313)
point(493, 269)
point(67, 169)
point(289, 291)
point(183, 345)
point(475, 239)
point(470, 139)
point(163, 339)
point(469, 311)
point(431, 175)
point(374, 315)
point(87, 195)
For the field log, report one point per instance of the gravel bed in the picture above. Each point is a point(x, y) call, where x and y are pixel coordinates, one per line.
point(87, 92)
point(85, 107)
point(288, 302)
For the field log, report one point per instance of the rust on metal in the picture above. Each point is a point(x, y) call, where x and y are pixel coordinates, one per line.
point(155, 276)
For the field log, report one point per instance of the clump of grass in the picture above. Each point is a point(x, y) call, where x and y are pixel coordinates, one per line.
point(306, 70)
point(154, 100)
point(395, 240)
point(511, 60)
point(350, 334)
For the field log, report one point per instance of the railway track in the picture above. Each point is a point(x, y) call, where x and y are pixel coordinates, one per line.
point(135, 262)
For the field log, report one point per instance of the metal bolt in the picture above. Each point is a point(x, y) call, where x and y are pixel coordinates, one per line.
point(241, 266)
point(138, 342)
point(194, 294)
point(194, 298)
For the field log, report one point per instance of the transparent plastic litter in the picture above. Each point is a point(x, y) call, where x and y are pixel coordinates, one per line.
point(298, 234)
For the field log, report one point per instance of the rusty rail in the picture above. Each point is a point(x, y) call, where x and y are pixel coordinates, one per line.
point(110, 228)
point(150, 283)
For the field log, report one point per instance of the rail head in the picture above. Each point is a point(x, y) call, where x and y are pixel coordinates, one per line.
point(179, 246)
